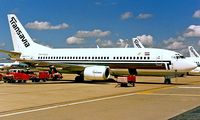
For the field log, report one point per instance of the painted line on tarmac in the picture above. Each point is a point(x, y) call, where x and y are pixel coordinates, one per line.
point(153, 90)
point(188, 87)
point(3, 93)
point(162, 94)
point(65, 105)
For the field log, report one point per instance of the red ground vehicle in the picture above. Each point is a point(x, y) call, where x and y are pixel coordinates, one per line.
point(1, 77)
point(45, 75)
point(22, 75)
point(16, 75)
point(52, 74)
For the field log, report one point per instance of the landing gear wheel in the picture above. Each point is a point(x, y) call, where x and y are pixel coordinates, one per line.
point(124, 84)
point(167, 81)
point(79, 79)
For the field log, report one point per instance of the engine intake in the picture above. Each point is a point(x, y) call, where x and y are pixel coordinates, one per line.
point(96, 73)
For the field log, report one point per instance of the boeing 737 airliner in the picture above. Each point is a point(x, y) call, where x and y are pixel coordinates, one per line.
point(95, 63)
point(194, 56)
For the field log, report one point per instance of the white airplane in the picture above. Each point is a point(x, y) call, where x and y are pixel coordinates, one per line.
point(194, 56)
point(95, 63)
point(6, 65)
point(12, 64)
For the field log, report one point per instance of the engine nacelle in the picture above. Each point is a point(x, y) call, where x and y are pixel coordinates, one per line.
point(96, 73)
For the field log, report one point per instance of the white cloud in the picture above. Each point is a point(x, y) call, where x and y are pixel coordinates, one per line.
point(144, 16)
point(192, 31)
point(184, 51)
point(80, 36)
point(45, 26)
point(94, 33)
point(172, 40)
point(146, 40)
point(109, 43)
point(121, 43)
point(126, 15)
point(196, 14)
point(104, 43)
point(176, 45)
point(74, 40)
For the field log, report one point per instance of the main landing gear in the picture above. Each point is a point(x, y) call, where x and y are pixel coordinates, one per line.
point(167, 80)
point(79, 78)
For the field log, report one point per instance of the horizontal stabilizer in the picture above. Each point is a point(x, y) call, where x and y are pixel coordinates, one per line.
point(11, 54)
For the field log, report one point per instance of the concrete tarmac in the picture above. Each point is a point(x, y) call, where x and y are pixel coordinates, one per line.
point(66, 100)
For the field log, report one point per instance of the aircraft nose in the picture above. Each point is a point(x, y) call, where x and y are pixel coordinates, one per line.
point(191, 65)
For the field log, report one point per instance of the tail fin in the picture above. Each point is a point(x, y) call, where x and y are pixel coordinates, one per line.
point(193, 52)
point(137, 43)
point(22, 42)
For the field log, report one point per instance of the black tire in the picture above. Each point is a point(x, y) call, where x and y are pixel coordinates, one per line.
point(19, 81)
point(37, 80)
point(167, 81)
point(44, 80)
point(79, 79)
point(13, 81)
point(124, 85)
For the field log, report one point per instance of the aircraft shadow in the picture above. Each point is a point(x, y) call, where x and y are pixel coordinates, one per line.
point(91, 82)
point(162, 83)
point(66, 82)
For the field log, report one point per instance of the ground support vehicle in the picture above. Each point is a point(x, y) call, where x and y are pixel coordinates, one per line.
point(22, 75)
point(126, 81)
point(45, 75)
point(1, 77)
point(16, 75)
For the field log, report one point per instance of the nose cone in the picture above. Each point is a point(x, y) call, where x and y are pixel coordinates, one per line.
point(189, 65)
point(185, 65)
point(192, 65)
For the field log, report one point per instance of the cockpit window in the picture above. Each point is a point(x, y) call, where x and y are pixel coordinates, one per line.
point(181, 56)
point(178, 56)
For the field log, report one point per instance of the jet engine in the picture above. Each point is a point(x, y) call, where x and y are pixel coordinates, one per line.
point(96, 73)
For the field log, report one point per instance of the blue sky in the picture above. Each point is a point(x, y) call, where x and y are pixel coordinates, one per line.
point(168, 24)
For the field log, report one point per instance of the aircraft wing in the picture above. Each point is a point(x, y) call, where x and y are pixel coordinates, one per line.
point(11, 53)
point(42, 65)
point(62, 67)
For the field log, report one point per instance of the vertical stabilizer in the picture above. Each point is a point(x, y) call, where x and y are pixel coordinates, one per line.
point(22, 42)
point(193, 52)
point(137, 43)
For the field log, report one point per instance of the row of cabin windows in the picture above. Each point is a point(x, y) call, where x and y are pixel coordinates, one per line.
point(99, 58)
point(131, 58)
point(64, 58)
